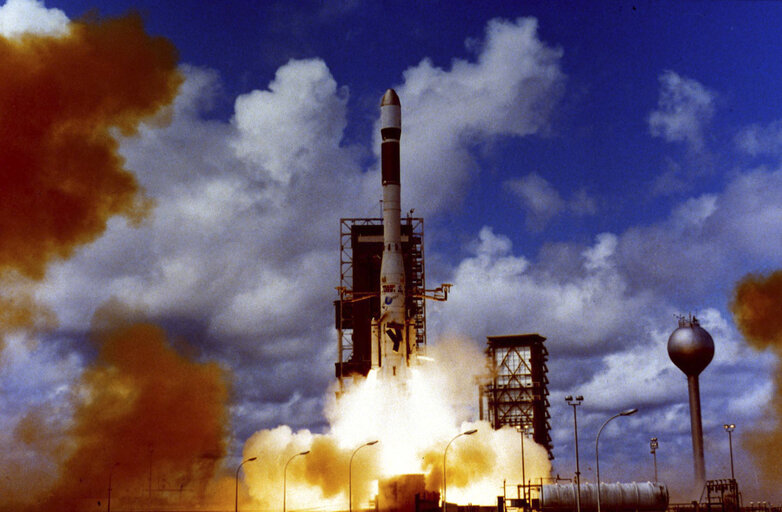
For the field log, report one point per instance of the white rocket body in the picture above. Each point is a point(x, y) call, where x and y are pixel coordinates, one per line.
point(391, 347)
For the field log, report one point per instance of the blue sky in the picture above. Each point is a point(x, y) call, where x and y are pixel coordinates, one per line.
point(585, 172)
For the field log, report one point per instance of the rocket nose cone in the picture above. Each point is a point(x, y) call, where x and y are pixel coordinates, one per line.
point(389, 98)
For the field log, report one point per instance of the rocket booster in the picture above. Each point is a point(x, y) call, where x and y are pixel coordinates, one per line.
point(392, 349)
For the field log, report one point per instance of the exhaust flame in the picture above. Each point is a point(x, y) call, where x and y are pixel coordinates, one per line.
point(756, 307)
point(140, 407)
point(413, 421)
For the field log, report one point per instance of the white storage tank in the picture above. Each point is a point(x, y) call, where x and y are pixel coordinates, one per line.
point(616, 497)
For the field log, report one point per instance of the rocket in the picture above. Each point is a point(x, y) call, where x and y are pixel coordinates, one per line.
point(392, 352)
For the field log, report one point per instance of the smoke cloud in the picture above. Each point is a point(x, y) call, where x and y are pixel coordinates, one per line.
point(141, 412)
point(63, 97)
point(756, 309)
point(19, 309)
point(413, 422)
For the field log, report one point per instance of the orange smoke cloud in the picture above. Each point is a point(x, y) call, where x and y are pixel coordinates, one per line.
point(143, 413)
point(61, 177)
point(60, 99)
point(756, 307)
point(19, 310)
point(320, 477)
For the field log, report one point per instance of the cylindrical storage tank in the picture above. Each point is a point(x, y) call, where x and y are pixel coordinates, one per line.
point(616, 497)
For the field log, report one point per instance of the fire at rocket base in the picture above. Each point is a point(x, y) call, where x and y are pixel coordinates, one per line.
point(392, 352)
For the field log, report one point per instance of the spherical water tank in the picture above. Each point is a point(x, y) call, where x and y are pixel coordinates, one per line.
point(690, 347)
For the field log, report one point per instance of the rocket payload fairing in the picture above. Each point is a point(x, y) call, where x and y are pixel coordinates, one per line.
point(392, 350)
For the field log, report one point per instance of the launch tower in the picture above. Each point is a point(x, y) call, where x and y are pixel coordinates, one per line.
point(361, 252)
point(517, 390)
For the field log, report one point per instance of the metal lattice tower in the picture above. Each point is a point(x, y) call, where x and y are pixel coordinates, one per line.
point(360, 249)
point(517, 389)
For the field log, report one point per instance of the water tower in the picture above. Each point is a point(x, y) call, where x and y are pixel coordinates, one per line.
point(691, 348)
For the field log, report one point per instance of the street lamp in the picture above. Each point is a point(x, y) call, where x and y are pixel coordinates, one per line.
point(575, 402)
point(653, 445)
point(111, 471)
point(522, 431)
point(467, 433)
point(285, 481)
point(628, 412)
point(236, 499)
point(350, 472)
point(729, 429)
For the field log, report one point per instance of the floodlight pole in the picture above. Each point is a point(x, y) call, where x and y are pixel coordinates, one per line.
point(653, 445)
point(575, 402)
point(729, 429)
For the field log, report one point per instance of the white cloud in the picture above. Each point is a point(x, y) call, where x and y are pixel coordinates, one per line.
point(694, 212)
point(684, 108)
point(538, 197)
point(286, 129)
point(30, 16)
point(542, 202)
point(761, 140)
point(245, 219)
point(708, 239)
point(749, 220)
point(510, 90)
point(582, 203)
point(496, 292)
point(599, 256)
point(634, 377)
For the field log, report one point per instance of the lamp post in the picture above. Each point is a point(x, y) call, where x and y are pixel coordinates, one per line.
point(653, 445)
point(628, 412)
point(111, 471)
point(467, 433)
point(575, 402)
point(285, 481)
point(522, 431)
point(108, 505)
point(236, 496)
point(729, 429)
point(350, 472)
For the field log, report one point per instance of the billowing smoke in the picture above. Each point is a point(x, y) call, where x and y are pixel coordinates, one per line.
point(63, 100)
point(413, 422)
point(140, 412)
point(756, 307)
